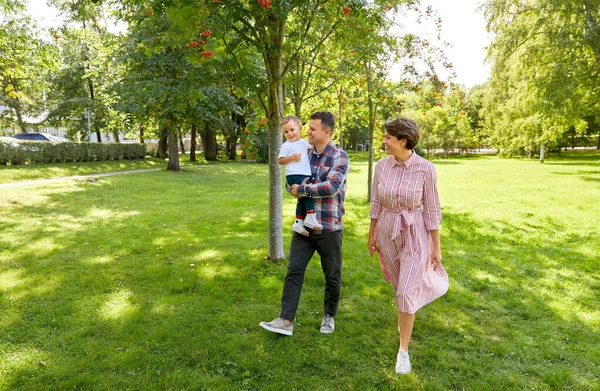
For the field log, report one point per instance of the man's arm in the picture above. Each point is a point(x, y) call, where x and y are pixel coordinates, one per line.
point(328, 188)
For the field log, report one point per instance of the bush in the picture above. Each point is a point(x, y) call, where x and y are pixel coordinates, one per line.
point(35, 152)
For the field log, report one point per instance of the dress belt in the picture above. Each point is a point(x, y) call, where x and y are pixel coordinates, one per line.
point(403, 220)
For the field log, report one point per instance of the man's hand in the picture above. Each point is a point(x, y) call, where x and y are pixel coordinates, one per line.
point(294, 190)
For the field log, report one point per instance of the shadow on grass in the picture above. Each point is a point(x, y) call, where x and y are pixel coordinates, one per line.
point(158, 281)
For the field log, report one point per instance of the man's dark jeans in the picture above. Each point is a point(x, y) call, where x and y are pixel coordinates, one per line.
point(329, 247)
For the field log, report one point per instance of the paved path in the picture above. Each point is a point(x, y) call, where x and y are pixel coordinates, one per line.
point(75, 177)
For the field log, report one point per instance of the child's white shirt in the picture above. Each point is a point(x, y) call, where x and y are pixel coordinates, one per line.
point(296, 168)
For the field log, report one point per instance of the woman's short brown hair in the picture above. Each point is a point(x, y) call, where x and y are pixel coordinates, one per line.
point(404, 128)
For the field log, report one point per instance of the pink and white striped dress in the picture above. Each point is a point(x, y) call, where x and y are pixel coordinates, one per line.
point(405, 202)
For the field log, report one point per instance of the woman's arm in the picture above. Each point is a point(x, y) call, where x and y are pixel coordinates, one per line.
point(436, 248)
point(372, 242)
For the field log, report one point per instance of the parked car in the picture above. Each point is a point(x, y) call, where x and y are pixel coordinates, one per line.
point(39, 137)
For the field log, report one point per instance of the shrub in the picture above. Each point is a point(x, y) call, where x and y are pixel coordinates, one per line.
point(34, 152)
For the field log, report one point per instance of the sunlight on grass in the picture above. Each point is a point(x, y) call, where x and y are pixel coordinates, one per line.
point(20, 286)
point(117, 306)
point(209, 271)
point(209, 254)
point(24, 356)
point(101, 259)
point(271, 282)
point(43, 247)
point(486, 276)
point(11, 279)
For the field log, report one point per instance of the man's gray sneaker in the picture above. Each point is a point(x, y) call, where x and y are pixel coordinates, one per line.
point(327, 325)
point(278, 326)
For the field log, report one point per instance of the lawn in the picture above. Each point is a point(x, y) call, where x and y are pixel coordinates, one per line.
point(158, 280)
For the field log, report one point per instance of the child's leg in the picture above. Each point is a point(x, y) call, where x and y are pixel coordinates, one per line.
point(301, 208)
point(309, 204)
point(311, 220)
point(298, 225)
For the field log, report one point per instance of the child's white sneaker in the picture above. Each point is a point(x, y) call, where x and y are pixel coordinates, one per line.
point(298, 226)
point(311, 222)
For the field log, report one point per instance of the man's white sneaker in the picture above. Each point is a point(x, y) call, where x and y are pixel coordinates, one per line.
point(402, 363)
point(298, 226)
point(310, 221)
point(278, 326)
point(327, 325)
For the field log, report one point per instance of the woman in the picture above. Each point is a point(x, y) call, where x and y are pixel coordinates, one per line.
point(404, 231)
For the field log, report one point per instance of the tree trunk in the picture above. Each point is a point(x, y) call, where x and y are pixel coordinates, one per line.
point(273, 63)
point(180, 139)
point(20, 119)
point(96, 129)
point(209, 143)
point(115, 135)
point(141, 133)
point(231, 147)
point(173, 149)
point(193, 143)
point(372, 114)
point(161, 151)
point(542, 153)
point(598, 146)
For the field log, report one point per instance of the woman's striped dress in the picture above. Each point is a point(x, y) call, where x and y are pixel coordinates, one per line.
point(406, 205)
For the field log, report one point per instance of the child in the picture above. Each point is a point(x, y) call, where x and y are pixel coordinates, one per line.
point(294, 155)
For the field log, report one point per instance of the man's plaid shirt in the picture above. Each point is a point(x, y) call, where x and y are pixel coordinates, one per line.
point(327, 185)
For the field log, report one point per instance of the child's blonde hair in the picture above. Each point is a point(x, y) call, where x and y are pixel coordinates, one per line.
point(291, 118)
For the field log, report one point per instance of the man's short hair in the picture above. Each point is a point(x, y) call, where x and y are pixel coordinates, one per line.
point(327, 119)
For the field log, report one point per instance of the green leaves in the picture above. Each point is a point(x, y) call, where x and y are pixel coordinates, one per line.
point(546, 69)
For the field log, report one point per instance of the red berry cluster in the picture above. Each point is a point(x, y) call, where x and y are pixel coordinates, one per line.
point(347, 10)
point(206, 34)
point(265, 3)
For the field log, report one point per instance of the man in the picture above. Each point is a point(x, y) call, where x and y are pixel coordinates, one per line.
point(329, 167)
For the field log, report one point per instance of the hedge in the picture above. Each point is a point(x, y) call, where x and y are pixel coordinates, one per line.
point(32, 152)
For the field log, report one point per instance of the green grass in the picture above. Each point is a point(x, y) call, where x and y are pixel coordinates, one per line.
point(44, 171)
point(158, 280)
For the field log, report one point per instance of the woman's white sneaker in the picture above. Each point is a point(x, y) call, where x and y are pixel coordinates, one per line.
point(402, 363)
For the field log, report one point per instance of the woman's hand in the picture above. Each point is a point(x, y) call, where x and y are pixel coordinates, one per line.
point(436, 258)
point(372, 244)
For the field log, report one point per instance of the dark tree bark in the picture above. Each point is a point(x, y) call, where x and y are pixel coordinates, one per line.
point(193, 143)
point(173, 151)
point(209, 143)
point(141, 133)
point(180, 138)
point(161, 151)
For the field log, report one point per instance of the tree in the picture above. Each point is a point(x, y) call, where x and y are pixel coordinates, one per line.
point(82, 84)
point(546, 70)
point(25, 61)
